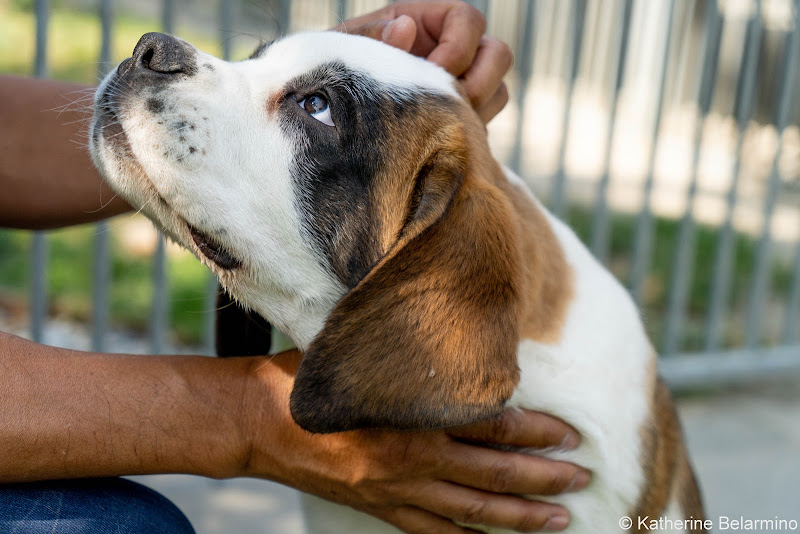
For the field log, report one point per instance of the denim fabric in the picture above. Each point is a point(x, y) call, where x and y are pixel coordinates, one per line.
point(94, 506)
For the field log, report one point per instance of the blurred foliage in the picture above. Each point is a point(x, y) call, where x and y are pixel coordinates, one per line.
point(657, 285)
point(74, 41)
point(69, 280)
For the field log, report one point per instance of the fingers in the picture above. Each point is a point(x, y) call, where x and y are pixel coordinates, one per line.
point(521, 429)
point(418, 521)
point(484, 78)
point(450, 34)
point(473, 507)
point(495, 105)
point(400, 32)
point(507, 472)
point(457, 37)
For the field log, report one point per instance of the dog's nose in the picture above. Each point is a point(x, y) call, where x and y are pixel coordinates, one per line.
point(159, 52)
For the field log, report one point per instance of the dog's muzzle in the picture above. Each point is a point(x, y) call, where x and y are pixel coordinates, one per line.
point(158, 60)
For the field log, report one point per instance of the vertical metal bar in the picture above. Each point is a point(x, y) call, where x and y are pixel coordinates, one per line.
point(524, 71)
point(723, 256)
point(101, 260)
point(792, 320)
point(480, 5)
point(760, 283)
point(226, 8)
point(42, 22)
point(284, 16)
point(40, 249)
point(600, 224)
point(681, 279)
point(168, 16)
point(559, 189)
point(101, 276)
point(209, 331)
point(159, 319)
point(41, 255)
point(643, 238)
point(341, 11)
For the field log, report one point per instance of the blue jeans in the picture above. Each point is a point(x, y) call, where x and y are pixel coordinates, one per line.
point(92, 506)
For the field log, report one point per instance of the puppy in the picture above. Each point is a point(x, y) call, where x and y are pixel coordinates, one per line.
point(344, 190)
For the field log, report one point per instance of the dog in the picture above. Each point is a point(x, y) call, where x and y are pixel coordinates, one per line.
point(345, 191)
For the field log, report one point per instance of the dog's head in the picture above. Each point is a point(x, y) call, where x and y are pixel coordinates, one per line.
point(344, 190)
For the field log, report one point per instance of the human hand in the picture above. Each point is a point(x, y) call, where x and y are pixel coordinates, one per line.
point(450, 34)
point(417, 481)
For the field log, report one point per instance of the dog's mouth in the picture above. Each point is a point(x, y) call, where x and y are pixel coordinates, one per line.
point(213, 250)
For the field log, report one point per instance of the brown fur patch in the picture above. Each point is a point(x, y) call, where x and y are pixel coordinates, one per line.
point(548, 278)
point(665, 461)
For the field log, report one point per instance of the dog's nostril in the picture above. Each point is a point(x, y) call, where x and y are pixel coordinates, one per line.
point(146, 58)
point(161, 53)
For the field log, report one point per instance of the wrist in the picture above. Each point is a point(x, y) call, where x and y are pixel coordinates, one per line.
point(264, 421)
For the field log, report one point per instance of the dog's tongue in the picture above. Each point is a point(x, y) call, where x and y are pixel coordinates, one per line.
point(213, 250)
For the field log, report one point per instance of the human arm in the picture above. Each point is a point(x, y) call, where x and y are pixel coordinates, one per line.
point(69, 414)
point(46, 175)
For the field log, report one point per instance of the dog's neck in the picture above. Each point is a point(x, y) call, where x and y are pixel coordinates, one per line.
point(299, 315)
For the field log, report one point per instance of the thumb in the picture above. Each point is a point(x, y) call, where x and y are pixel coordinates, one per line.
point(399, 33)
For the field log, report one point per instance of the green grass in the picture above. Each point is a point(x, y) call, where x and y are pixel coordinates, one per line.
point(69, 280)
point(657, 284)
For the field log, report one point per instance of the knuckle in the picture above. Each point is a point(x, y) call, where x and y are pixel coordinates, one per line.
point(555, 482)
point(474, 16)
point(474, 512)
point(503, 477)
point(502, 96)
point(505, 54)
point(505, 427)
point(499, 49)
point(413, 454)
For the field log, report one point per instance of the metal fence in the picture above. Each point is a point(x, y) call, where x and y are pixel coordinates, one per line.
point(631, 116)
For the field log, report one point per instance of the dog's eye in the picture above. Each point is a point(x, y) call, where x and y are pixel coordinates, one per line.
point(317, 106)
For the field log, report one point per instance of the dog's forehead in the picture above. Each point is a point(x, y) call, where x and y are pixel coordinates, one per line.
point(301, 53)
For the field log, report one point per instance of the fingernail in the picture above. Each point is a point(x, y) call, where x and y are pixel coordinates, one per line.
point(571, 441)
point(579, 481)
point(387, 31)
point(556, 523)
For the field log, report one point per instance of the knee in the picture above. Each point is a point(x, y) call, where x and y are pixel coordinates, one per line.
point(89, 506)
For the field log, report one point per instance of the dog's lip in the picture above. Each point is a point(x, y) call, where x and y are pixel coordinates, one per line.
point(214, 250)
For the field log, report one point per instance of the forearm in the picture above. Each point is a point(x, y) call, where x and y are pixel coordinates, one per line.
point(46, 175)
point(67, 414)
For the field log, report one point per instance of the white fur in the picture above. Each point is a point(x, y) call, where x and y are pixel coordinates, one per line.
point(595, 377)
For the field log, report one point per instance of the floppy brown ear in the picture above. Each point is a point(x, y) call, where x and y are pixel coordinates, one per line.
point(428, 338)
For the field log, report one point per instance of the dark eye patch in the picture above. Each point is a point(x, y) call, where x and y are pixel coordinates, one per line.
point(335, 168)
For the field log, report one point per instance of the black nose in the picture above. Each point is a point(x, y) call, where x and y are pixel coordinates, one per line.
point(162, 53)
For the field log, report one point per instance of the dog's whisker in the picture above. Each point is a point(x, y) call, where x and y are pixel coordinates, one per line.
point(104, 205)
